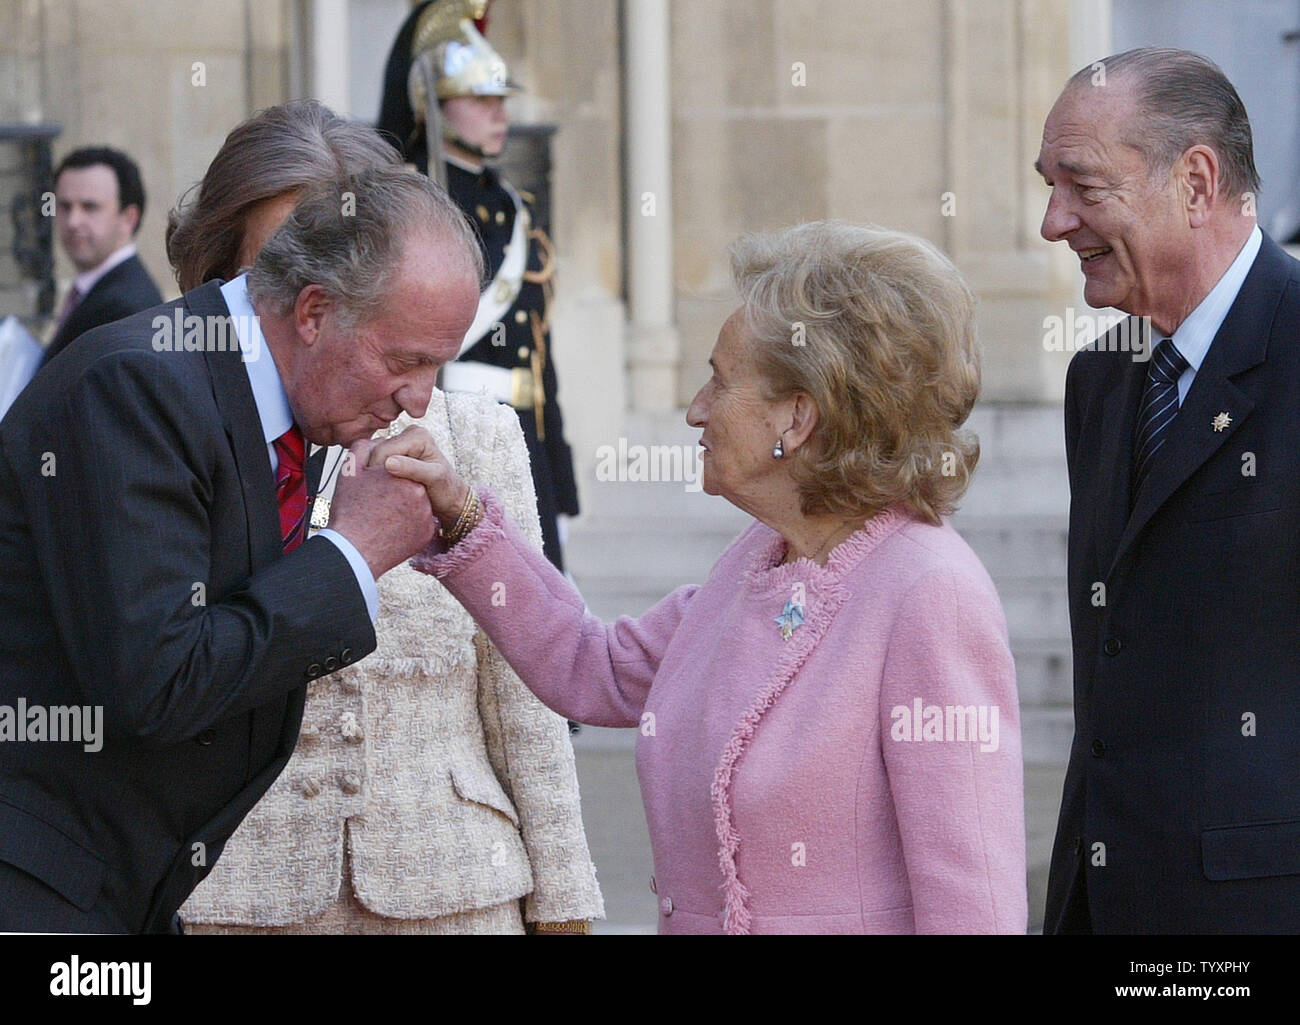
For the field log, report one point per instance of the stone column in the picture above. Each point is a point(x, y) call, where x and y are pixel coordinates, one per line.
point(654, 345)
point(329, 55)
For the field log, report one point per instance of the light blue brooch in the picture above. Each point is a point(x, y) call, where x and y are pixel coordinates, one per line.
point(790, 619)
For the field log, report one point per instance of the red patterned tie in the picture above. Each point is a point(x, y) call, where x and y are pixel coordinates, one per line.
point(291, 487)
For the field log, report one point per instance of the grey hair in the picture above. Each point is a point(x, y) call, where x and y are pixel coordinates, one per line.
point(348, 235)
point(1183, 100)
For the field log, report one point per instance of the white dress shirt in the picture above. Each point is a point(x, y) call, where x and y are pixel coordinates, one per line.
point(1195, 334)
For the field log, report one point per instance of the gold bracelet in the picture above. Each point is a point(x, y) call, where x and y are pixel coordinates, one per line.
point(446, 534)
point(582, 928)
point(470, 517)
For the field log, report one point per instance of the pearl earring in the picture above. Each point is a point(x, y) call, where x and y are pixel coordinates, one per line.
point(779, 451)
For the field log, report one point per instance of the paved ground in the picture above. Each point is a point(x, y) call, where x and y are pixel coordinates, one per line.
point(616, 830)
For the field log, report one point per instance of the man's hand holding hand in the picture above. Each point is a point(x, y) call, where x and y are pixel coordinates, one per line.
point(386, 517)
point(414, 456)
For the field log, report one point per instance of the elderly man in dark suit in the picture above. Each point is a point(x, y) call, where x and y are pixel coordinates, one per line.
point(159, 603)
point(1181, 807)
point(99, 203)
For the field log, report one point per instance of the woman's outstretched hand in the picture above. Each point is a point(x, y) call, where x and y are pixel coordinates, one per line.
point(413, 455)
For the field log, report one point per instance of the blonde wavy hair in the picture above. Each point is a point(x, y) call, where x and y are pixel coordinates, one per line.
point(877, 327)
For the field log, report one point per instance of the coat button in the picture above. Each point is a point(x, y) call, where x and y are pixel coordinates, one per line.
point(522, 353)
point(1112, 646)
point(1098, 748)
point(313, 671)
point(666, 906)
point(331, 664)
point(350, 729)
point(350, 684)
point(350, 783)
point(206, 738)
point(345, 656)
point(521, 317)
point(654, 888)
point(308, 787)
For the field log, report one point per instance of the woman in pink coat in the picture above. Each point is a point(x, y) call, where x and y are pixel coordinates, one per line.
point(828, 727)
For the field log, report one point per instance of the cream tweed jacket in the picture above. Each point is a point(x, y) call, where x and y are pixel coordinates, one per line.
point(451, 785)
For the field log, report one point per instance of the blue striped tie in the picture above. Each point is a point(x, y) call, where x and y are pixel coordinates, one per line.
point(1159, 407)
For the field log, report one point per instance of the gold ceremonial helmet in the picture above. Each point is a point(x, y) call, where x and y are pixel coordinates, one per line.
point(449, 52)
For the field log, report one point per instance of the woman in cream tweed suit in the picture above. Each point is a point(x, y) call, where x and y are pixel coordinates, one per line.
point(430, 792)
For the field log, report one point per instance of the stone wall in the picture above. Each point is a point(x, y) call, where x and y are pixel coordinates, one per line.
point(163, 81)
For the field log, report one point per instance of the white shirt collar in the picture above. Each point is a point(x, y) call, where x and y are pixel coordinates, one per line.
point(1195, 334)
point(464, 165)
point(88, 279)
point(263, 375)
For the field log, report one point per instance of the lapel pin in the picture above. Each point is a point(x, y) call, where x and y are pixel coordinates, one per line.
point(1221, 422)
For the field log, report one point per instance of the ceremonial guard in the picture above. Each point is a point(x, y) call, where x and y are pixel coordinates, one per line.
point(444, 107)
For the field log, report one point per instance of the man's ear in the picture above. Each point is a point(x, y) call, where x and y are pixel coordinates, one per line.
point(804, 416)
point(132, 215)
point(309, 312)
point(1198, 173)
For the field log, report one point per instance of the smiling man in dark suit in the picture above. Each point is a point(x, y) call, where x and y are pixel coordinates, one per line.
point(1181, 806)
point(152, 516)
point(99, 203)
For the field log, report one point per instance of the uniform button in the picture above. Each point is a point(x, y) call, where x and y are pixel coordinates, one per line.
point(309, 787)
point(1112, 646)
point(313, 671)
point(501, 217)
point(654, 888)
point(1098, 748)
point(666, 906)
point(521, 317)
point(523, 352)
point(331, 664)
point(206, 738)
point(345, 656)
point(350, 783)
point(481, 210)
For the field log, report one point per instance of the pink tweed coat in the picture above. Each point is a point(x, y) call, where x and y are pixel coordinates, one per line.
point(862, 776)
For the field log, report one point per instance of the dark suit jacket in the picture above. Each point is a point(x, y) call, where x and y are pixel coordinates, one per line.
point(124, 290)
point(1181, 808)
point(143, 572)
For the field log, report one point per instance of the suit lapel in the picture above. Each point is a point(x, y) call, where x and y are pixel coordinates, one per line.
point(243, 427)
point(1241, 343)
point(1115, 452)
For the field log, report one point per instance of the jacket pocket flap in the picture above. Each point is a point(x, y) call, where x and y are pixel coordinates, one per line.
point(41, 850)
point(1251, 852)
point(482, 787)
point(1243, 500)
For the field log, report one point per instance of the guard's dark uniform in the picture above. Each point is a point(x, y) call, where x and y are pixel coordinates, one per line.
point(525, 343)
